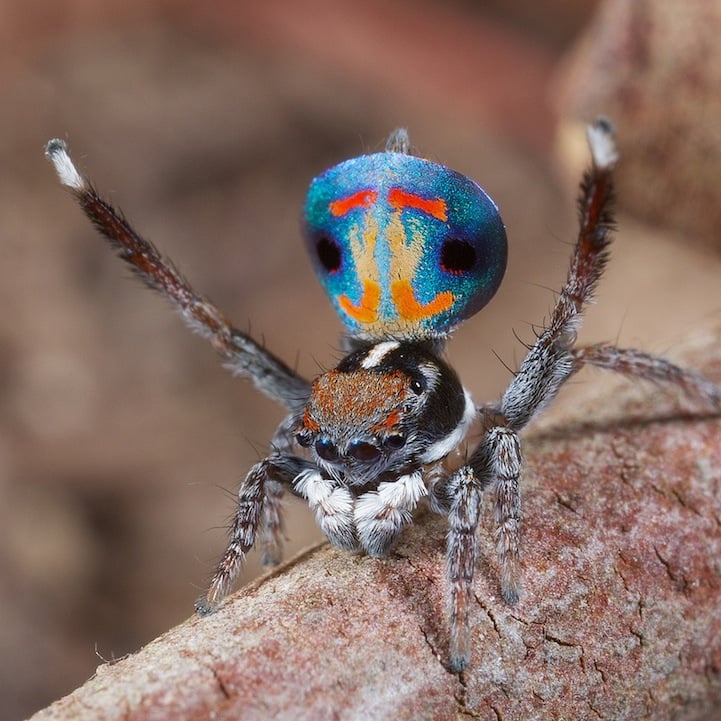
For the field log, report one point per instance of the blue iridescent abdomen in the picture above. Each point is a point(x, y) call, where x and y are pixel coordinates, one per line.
point(405, 248)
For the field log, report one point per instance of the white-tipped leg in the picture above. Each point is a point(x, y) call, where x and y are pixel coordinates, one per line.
point(603, 146)
point(57, 152)
point(242, 354)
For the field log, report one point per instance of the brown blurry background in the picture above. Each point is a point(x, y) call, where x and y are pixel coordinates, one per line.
point(121, 437)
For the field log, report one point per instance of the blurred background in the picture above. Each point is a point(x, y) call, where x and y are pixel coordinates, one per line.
point(122, 440)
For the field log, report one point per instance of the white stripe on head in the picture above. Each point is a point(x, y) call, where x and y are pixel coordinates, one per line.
point(378, 352)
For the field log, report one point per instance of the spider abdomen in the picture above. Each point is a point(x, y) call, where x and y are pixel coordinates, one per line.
point(403, 245)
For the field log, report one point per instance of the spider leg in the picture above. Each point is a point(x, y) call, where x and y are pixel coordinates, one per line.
point(637, 364)
point(459, 496)
point(497, 462)
point(242, 354)
point(550, 361)
point(501, 453)
point(271, 526)
point(256, 492)
point(553, 359)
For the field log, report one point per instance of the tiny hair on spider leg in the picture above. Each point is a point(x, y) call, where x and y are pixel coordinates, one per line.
point(406, 250)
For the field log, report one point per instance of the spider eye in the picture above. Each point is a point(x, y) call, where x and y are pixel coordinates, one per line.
point(362, 451)
point(418, 385)
point(394, 442)
point(327, 450)
point(328, 254)
point(303, 439)
point(457, 256)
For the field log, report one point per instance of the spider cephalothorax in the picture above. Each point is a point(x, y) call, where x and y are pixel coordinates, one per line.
point(374, 423)
point(406, 249)
point(384, 410)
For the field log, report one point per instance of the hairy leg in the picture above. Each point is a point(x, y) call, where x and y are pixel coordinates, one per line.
point(637, 364)
point(257, 491)
point(497, 461)
point(466, 491)
point(242, 354)
point(550, 361)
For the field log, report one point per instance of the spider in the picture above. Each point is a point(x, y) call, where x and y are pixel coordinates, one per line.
point(406, 249)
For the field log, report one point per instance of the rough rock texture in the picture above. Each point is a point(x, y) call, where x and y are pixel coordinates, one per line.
point(619, 618)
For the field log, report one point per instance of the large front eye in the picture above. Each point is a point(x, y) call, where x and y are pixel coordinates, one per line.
point(327, 450)
point(362, 451)
point(329, 253)
point(457, 256)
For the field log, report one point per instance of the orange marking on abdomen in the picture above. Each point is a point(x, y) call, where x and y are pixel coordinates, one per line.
point(367, 310)
point(410, 309)
point(436, 207)
point(361, 199)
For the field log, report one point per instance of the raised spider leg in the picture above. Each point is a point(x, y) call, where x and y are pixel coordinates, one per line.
point(255, 493)
point(242, 354)
point(550, 361)
point(497, 462)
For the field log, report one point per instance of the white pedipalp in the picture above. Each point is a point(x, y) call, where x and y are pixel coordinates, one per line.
point(381, 515)
point(332, 506)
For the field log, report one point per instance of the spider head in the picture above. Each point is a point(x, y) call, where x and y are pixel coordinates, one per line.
point(384, 410)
